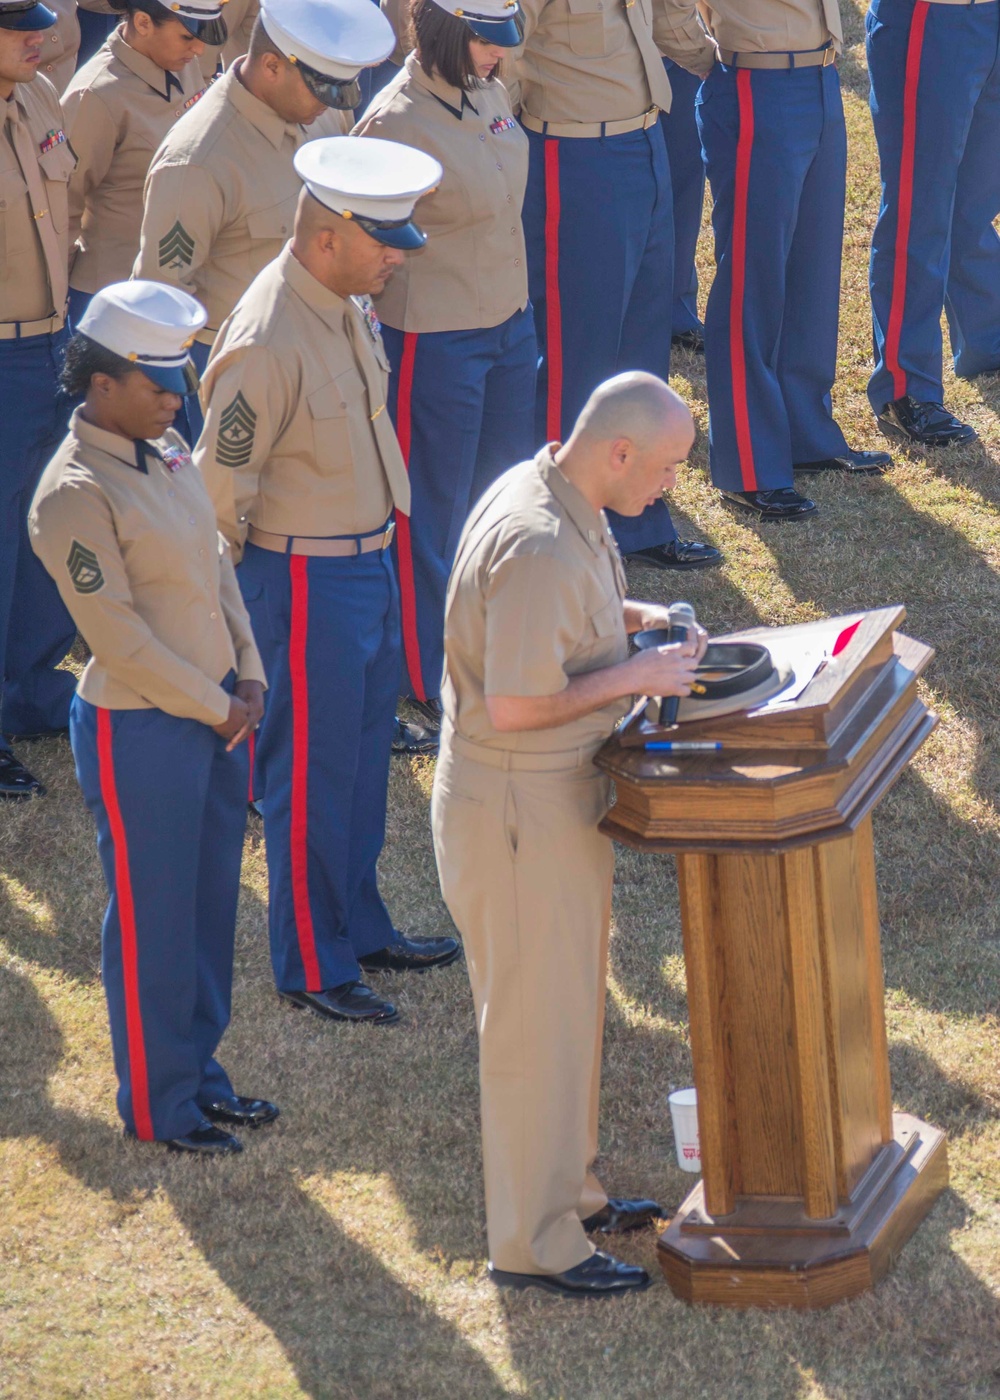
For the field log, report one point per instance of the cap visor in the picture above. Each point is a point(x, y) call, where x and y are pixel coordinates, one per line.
point(210, 31)
point(506, 33)
point(178, 379)
point(38, 17)
point(407, 237)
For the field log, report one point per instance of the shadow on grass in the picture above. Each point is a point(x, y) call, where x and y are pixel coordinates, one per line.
point(324, 1297)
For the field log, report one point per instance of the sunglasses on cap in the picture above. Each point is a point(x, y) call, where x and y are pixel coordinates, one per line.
point(339, 93)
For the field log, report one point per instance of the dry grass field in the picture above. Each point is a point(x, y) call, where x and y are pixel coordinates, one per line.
point(343, 1254)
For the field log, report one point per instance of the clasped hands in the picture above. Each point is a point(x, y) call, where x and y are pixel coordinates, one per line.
point(246, 710)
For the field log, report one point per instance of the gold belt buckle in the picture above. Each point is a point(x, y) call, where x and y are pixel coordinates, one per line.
point(649, 118)
point(830, 56)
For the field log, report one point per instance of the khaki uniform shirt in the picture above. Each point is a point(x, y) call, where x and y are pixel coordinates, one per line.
point(589, 61)
point(239, 16)
point(221, 194)
point(472, 273)
point(60, 45)
point(36, 161)
point(117, 109)
point(144, 573)
point(297, 439)
point(536, 596)
point(749, 26)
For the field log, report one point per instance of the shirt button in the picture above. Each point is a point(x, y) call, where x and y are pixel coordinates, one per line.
point(191, 520)
point(201, 553)
point(482, 136)
point(513, 230)
point(508, 199)
point(499, 166)
point(517, 262)
point(213, 616)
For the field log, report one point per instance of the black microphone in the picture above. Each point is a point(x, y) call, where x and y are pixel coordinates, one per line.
point(681, 623)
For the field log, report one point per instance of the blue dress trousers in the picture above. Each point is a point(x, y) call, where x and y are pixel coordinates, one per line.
point(462, 403)
point(170, 808)
point(687, 179)
point(599, 228)
point(36, 631)
point(328, 633)
point(935, 100)
point(776, 154)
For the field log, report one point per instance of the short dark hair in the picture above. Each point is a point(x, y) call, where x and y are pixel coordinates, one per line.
point(157, 12)
point(84, 359)
point(442, 43)
point(261, 43)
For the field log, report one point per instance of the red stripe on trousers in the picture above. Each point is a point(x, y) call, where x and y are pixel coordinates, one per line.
point(299, 831)
point(251, 750)
point(904, 213)
point(553, 304)
point(404, 544)
point(138, 1074)
point(737, 349)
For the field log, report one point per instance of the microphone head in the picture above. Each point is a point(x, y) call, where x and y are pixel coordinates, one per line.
point(681, 615)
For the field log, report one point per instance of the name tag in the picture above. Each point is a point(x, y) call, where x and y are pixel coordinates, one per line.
point(52, 140)
point(499, 124)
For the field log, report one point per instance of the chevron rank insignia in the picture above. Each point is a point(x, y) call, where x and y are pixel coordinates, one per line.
point(176, 247)
point(237, 426)
point(84, 569)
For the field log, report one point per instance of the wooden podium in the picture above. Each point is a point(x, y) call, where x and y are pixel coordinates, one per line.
point(811, 1184)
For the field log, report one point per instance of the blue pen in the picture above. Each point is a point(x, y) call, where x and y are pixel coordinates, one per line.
point(664, 746)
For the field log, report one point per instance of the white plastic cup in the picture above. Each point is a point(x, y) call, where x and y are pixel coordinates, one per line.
point(684, 1115)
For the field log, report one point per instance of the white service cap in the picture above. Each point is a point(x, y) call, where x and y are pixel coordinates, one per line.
point(202, 18)
point(151, 324)
point(493, 21)
point(375, 182)
point(334, 38)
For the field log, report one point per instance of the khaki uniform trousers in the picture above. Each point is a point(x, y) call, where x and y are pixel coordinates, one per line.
point(527, 878)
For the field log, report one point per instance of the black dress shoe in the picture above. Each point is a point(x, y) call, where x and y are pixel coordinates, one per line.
point(597, 1277)
point(430, 711)
point(689, 340)
point(205, 1141)
point(779, 505)
point(351, 1001)
point(619, 1216)
point(16, 783)
point(861, 463)
point(412, 955)
point(413, 738)
point(927, 424)
point(240, 1112)
point(678, 554)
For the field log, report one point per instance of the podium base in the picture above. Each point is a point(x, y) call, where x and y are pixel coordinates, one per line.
point(769, 1254)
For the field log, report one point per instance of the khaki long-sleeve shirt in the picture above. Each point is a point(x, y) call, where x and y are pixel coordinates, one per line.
point(36, 161)
point(748, 26)
point(536, 597)
point(220, 196)
point(239, 16)
point(297, 438)
point(472, 274)
point(592, 60)
point(117, 109)
point(128, 534)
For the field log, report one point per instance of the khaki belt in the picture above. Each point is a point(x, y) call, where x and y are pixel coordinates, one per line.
point(808, 58)
point(21, 330)
point(592, 129)
point(329, 548)
point(563, 761)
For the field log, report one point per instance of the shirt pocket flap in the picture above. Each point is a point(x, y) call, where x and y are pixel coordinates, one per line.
point(59, 163)
point(273, 222)
point(609, 619)
point(337, 396)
